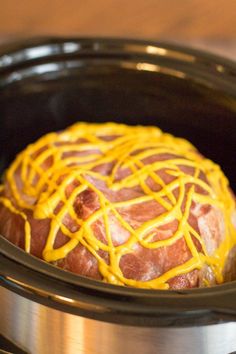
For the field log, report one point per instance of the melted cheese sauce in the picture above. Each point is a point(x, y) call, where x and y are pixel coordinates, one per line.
point(42, 164)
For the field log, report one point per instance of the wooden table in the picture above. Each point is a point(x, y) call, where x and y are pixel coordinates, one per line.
point(206, 24)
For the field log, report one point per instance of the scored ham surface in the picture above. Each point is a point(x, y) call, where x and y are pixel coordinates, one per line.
point(141, 263)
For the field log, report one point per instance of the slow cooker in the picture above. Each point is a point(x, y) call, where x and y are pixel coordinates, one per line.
point(46, 85)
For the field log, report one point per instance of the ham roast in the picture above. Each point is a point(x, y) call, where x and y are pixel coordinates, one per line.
point(131, 206)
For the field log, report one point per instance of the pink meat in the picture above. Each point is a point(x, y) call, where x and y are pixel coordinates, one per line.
point(140, 263)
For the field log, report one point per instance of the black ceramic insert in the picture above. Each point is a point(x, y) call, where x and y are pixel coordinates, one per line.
point(48, 84)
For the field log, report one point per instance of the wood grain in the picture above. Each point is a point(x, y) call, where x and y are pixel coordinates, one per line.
point(188, 21)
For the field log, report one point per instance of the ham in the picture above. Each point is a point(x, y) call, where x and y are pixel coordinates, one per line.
point(142, 263)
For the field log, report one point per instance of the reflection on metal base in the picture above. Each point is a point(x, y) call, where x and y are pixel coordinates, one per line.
point(42, 330)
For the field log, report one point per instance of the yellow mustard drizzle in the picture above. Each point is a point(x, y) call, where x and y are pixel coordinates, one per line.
point(127, 149)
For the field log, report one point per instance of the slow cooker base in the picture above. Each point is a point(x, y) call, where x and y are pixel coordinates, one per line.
point(41, 329)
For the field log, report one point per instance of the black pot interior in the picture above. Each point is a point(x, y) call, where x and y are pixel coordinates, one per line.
point(46, 87)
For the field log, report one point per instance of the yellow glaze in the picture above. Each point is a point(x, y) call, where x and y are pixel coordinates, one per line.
point(35, 188)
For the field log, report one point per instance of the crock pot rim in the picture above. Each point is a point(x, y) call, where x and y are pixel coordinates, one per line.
point(41, 282)
point(16, 53)
point(92, 43)
point(19, 256)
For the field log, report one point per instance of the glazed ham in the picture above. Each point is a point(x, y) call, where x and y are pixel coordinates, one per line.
point(127, 205)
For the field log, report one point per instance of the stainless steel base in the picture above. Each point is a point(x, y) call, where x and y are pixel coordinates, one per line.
point(43, 330)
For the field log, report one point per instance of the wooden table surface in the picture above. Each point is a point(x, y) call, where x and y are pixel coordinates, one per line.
point(209, 24)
